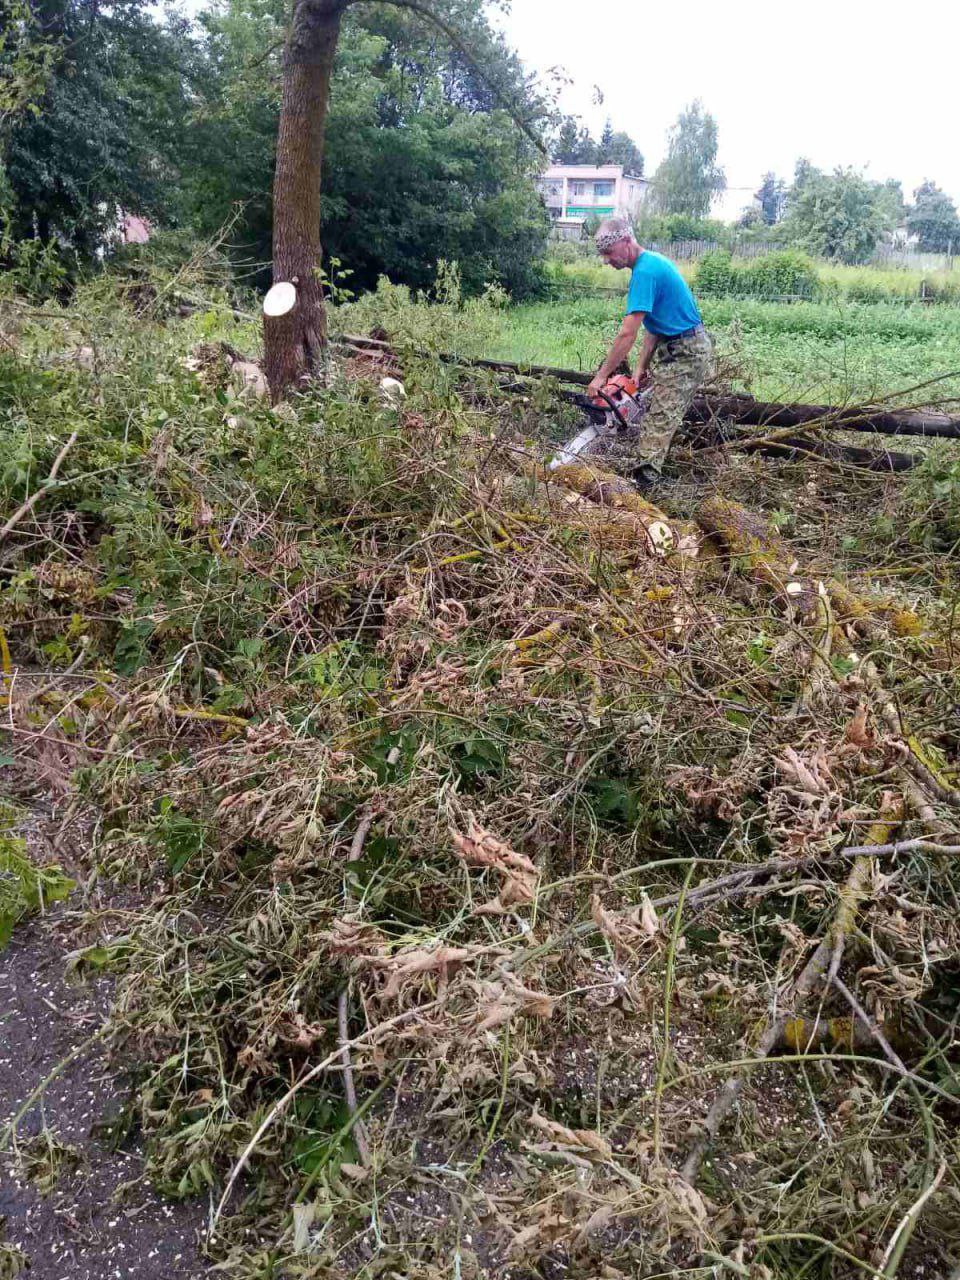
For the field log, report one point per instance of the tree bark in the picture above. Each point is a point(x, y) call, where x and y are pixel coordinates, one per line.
point(894, 422)
point(293, 343)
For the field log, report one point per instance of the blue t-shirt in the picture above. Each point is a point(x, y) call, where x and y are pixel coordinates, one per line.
point(659, 290)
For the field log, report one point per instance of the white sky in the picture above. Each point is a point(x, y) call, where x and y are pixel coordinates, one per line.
point(843, 82)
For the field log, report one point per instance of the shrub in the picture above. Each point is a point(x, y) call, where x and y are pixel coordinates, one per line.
point(715, 276)
point(32, 267)
point(786, 273)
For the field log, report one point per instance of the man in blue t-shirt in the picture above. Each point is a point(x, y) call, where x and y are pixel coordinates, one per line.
point(674, 340)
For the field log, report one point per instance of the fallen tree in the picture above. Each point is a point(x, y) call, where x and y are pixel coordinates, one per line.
point(742, 410)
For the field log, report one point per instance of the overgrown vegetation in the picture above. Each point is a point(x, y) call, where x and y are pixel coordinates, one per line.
point(409, 745)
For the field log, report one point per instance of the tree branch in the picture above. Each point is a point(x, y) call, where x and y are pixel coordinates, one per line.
point(48, 484)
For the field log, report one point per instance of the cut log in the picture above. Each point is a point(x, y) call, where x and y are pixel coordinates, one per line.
point(496, 366)
point(746, 411)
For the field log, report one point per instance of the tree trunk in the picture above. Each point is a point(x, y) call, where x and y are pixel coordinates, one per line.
point(293, 343)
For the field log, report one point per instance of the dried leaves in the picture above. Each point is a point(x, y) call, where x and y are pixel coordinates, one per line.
point(506, 998)
point(584, 1142)
point(626, 932)
point(519, 876)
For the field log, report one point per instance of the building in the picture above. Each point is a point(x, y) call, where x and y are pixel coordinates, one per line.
point(575, 192)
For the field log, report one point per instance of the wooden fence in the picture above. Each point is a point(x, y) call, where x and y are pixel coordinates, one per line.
point(883, 255)
point(911, 260)
point(694, 250)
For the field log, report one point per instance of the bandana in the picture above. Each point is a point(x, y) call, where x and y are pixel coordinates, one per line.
point(612, 235)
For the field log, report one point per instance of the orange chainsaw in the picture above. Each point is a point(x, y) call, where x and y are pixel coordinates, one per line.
point(618, 407)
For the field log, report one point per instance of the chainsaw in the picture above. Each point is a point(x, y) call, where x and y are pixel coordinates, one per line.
point(616, 412)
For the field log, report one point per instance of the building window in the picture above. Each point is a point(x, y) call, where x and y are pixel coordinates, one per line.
point(579, 189)
point(603, 190)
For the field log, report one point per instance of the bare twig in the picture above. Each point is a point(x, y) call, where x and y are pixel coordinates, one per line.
point(901, 1237)
point(48, 484)
point(343, 1020)
point(343, 1016)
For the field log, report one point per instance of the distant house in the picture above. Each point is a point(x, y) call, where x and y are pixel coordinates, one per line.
point(902, 238)
point(126, 228)
point(575, 192)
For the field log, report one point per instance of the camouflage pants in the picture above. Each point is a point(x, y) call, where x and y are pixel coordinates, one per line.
point(680, 368)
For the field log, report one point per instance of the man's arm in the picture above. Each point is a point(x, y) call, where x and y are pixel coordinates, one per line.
point(647, 349)
point(622, 346)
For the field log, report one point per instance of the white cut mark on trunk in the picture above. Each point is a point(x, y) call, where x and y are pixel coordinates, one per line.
point(280, 299)
point(393, 391)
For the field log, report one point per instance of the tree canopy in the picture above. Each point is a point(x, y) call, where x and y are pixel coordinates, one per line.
point(842, 215)
point(772, 196)
point(180, 123)
point(108, 88)
point(421, 162)
point(689, 177)
point(575, 145)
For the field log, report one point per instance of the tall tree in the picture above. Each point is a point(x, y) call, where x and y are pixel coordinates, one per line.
point(294, 337)
point(620, 148)
point(933, 220)
point(689, 178)
point(574, 144)
point(417, 166)
point(842, 215)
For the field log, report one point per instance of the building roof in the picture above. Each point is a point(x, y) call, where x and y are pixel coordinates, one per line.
point(597, 171)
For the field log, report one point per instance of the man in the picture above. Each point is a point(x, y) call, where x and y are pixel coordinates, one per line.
point(674, 339)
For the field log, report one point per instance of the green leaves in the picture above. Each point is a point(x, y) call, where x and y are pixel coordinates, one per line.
point(180, 837)
point(24, 888)
point(841, 215)
point(130, 651)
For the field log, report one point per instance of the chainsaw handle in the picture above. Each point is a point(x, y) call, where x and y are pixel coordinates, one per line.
point(602, 395)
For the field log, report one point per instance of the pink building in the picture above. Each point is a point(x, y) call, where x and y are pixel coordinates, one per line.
point(575, 192)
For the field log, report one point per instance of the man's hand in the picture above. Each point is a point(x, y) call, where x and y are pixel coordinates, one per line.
point(622, 346)
point(642, 376)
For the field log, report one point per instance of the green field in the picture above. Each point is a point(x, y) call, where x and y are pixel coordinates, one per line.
point(814, 351)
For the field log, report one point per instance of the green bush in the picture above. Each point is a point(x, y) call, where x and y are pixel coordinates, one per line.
point(716, 277)
point(786, 273)
point(783, 274)
point(673, 227)
point(30, 267)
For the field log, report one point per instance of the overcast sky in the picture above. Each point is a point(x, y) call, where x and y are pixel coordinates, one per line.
point(843, 82)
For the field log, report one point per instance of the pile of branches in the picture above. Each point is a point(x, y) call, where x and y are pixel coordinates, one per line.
point(537, 877)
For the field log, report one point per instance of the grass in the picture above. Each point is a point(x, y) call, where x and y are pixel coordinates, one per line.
point(822, 352)
point(382, 726)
